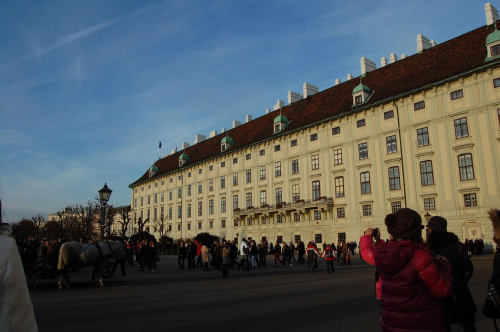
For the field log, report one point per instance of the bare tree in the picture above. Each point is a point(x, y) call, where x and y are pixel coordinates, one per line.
point(110, 219)
point(87, 217)
point(125, 219)
point(160, 225)
point(37, 220)
point(140, 225)
point(24, 229)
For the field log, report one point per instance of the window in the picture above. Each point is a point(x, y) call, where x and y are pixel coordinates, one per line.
point(211, 224)
point(277, 148)
point(200, 171)
point(262, 172)
point(223, 164)
point(235, 202)
point(423, 136)
point(358, 100)
point(262, 152)
point(456, 94)
point(295, 193)
point(495, 50)
point(461, 129)
point(277, 168)
point(429, 204)
point(317, 215)
point(365, 183)
point(392, 145)
point(249, 200)
point(189, 174)
point(223, 182)
point(142, 201)
point(295, 166)
point(189, 210)
point(249, 221)
point(170, 213)
point(313, 137)
point(189, 190)
point(189, 226)
point(465, 167)
point(394, 183)
point(337, 157)
point(178, 227)
point(339, 186)
point(179, 193)
point(360, 123)
point(498, 115)
point(211, 206)
point(395, 206)
point(315, 161)
point(223, 224)
point(211, 167)
point(200, 187)
point(293, 143)
point(296, 216)
point(223, 204)
point(200, 208)
point(367, 210)
point(341, 212)
point(279, 219)
point(470, 200)
point(418, 106)
point(363, 150)
point(156, 198)
point(263, 220)
point(211, 185)
point(279, 196)
point(318, 238)
point(248, 156)
point(316, 190)
point(263, 199)
point(235, 179)
point(335, 130)
point(199, 225)
point(170, 195)
point(388, 115)
point(179, 211)
point(496, 82)
point(248, 175)
point(426, 174)
point(235, 160)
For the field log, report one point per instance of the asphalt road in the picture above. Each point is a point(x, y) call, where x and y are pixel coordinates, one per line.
point(270, 299)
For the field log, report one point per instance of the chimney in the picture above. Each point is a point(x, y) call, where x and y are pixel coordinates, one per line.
point(338, 81)
point(173, 151)
point(236, 124)
point(223, 130)
point(367, 65)
point(491, 14)
point(383, 62)
point(248, 118)
point(199, 138)
point(185, 145)
point(268, 110)
point(309, 90)
point(423, 43)
point(279, 104)
point(403, 56)
point(293, 97)
point(393, 58)
point(213, 133)
point(433, 43)
point(349, 77)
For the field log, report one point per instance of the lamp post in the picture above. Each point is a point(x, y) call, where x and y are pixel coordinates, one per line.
point(427, 216)
point(104, 195)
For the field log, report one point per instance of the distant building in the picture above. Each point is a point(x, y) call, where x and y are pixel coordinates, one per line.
point(420, 132)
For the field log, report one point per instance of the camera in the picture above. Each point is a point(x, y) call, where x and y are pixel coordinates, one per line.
point(375, 232)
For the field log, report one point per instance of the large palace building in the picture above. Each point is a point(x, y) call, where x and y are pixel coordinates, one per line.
point(422, 131)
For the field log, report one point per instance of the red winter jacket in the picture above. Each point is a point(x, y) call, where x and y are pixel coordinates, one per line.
point(366, 249)
point(412, 285)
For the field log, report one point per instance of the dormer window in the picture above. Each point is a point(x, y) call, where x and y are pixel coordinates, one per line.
point(280, 122)
point(152, 171)
point(225, 143)
point(183, 158)
point(493, 44)
point(361, 94)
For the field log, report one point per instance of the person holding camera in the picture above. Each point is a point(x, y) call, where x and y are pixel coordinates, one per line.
point(413, 281)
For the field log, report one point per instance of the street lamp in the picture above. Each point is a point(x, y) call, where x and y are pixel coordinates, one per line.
point(427, 216)
point(104, 195)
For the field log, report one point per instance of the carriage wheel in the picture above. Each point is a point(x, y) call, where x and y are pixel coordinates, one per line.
point(32, 275)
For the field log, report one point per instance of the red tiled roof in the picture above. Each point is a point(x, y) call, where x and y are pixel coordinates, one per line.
point(444, 61)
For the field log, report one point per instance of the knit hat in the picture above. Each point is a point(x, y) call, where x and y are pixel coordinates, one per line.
point(494, 215)
point(404, 223)
point(438, 223)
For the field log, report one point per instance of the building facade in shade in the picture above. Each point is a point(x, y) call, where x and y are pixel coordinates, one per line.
point(421, 132)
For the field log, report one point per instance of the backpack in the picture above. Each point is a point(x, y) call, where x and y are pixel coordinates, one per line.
point(245, 250)
point(329, 253)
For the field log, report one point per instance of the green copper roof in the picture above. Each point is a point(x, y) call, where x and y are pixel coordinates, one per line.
point(493, 37)
point(281, 118)
point(153, 168)
point(184, 156)
point(227, 140)
point(361, 87)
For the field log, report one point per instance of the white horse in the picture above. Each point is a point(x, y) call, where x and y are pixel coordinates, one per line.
point(98, 255)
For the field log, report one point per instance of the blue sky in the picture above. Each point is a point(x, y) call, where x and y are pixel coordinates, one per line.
point(88, 88)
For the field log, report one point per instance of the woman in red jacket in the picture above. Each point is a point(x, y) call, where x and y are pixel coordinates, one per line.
point(412, 281)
